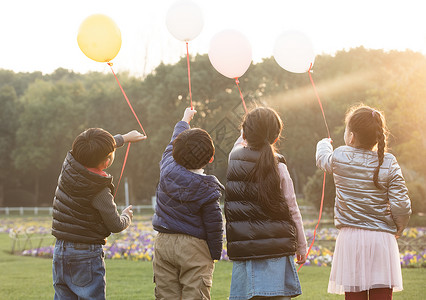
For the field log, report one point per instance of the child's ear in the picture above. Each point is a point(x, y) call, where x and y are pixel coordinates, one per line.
point(351, 138)
point(211, 160)
point(103, 165)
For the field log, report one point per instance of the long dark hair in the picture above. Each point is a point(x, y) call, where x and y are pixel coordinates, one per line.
point(261, 129)
point(369, 128)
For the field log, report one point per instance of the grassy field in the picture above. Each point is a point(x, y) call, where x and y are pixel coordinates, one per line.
point(31, 278)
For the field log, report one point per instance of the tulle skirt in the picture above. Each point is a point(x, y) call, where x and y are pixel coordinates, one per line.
point(363, 260)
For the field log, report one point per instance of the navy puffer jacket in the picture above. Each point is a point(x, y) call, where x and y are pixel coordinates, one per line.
point(187, 202)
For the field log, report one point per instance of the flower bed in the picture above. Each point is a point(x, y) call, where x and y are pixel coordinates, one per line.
point(137, 242)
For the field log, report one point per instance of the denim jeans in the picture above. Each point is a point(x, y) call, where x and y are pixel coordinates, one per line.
point(78, 271)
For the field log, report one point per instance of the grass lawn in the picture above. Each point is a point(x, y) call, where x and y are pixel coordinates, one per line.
point(31, 278)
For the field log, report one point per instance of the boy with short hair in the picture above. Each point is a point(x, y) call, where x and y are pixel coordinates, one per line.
point(187, 216)
point(85, 214)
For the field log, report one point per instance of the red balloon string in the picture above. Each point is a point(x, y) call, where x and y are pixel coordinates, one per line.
point(122, 168)
point(319, 100)
point(241, 94)
point(189, 74)
point(323, 182)
point(137, 119)
point(127, 99)
point(319, 219)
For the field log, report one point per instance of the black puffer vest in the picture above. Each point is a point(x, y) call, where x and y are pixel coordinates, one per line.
point(250, 232)
point(74, 217)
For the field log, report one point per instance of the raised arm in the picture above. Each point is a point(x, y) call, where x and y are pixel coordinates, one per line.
point(240, 142)
point(132, 136)
point(324, 154)
point(179, 127)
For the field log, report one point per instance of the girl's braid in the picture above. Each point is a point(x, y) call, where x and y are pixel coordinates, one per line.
point(381, 146)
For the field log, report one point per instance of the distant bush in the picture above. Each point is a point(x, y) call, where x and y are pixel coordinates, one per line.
point(312, 191)
point(417, 193)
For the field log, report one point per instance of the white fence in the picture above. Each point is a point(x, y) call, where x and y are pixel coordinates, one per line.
point(48, 210)
point(136, 208)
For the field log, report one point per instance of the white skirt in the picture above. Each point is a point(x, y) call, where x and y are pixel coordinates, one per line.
point(364, 260)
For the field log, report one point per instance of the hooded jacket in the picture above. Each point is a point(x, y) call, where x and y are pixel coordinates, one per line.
point(359, 203)
point(251, 232)
point(187, 202)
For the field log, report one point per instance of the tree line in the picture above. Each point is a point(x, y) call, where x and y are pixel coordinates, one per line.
point(41, 114)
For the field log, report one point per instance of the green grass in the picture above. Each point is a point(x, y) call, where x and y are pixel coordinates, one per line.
point(31, 278)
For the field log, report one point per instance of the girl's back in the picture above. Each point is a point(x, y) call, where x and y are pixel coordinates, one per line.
point(371, 208)
point(359, 202)
point(264, 228)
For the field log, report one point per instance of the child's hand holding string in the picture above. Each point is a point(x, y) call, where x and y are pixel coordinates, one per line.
point(128, 211)
point(188, 115)
point(133, 136)
point(301, 259)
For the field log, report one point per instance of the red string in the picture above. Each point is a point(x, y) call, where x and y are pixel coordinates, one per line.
point(319, 100)
point(122, 168)
point(323, 182)
point(137, 119)
point(319, 219)
point(241, 94)
point(127, 99)
point(189, 74)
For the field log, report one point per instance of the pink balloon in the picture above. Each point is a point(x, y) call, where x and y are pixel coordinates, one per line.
point(230, 53)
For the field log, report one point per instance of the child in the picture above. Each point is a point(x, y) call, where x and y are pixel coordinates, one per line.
point(371, 208)
point(264, 227)
point(187, 216)
point(84, 214)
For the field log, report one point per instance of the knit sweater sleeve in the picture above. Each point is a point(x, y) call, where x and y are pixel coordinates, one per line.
point(119, 140)
point(104, 203)
point(289, 195)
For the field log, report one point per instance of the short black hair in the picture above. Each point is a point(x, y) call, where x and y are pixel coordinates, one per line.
point(92, 147)
point(193, 148)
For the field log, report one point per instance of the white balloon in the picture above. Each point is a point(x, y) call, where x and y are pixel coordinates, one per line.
point(230, 53)
point(294, 52)
point(184, 20)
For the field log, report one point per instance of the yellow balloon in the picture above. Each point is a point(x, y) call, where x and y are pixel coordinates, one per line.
point(99, 38)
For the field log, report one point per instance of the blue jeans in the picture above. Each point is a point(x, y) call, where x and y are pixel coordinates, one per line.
point(78, 271)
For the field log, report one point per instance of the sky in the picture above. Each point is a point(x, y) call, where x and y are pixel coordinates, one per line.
point(42, 35)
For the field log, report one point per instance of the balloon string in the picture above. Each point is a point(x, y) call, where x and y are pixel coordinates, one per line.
point(319, 218)
point(323, 182)
point(137, 119)
point(189, 74)
point(127, 99)
point(319, 100)
point(241, 94)
point(122, 168)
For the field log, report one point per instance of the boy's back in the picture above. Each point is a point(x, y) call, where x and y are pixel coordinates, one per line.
point(187, 216)
point(85, 214)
